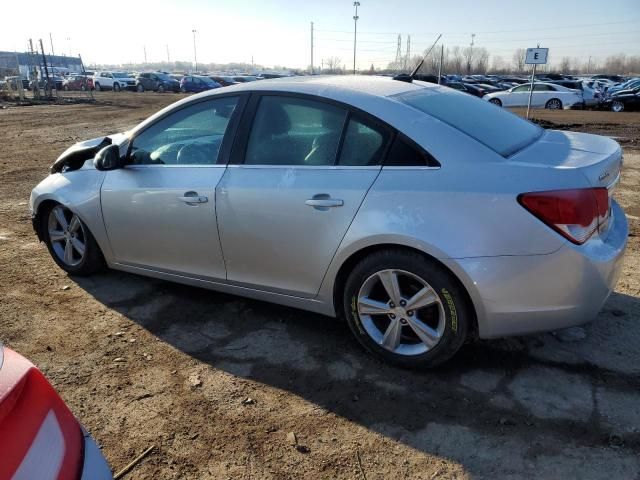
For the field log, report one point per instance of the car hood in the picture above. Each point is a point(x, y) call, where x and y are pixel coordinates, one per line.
point(76, 155)
point(598, 158)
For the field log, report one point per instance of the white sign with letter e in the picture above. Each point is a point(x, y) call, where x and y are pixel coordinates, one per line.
point(536, 56)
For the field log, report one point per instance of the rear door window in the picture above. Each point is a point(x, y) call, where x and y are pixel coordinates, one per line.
point(364, 144)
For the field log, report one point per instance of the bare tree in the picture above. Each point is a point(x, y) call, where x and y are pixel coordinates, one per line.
point(333, 65)
point(565, 65)
point(482, 60)
point(518, 59)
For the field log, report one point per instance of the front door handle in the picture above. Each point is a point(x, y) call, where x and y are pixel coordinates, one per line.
point(324, 202)
point(193, 198)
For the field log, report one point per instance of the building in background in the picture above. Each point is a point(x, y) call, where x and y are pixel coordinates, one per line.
point(18, 63)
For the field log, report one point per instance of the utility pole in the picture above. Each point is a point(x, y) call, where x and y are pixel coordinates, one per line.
point(407, 58)
point(51, 41)
point(440, 67)
point(473, 36)
point(311, 48)
point(46, 72)
point(144, 48)
point(195, 58)
point(589, 65)
point(168, 58)
point(355, 34)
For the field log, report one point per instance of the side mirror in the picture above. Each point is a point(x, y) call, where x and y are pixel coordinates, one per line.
point(108, 158)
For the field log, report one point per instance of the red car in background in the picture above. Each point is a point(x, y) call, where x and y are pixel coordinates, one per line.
point(77, 82)
point(39, 436)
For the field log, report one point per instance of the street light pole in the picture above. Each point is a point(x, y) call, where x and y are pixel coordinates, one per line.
point(473, 36)
point(355, 34)
point(195, 58)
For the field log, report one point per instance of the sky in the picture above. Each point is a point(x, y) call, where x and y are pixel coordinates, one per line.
point(277, 32)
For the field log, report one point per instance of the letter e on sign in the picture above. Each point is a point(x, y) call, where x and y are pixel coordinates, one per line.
point(536, 56)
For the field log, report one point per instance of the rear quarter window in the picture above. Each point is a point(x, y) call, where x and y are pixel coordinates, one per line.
point(491, 125)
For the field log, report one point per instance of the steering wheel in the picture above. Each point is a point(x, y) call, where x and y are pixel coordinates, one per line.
point(193, 154)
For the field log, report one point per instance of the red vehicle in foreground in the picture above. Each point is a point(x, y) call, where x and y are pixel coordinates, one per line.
point(39, 436)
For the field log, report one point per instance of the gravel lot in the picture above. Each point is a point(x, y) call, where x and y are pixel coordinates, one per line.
point(218, 383)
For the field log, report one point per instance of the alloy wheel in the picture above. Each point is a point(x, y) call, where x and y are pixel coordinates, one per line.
point(554, 104)
point(401, 312)
point(67, 236)
point(617, 106)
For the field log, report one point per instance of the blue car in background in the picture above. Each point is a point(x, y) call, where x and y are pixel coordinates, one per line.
point(197, 83)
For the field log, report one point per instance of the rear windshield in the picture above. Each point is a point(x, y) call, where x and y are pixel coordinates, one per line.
point(493, 126)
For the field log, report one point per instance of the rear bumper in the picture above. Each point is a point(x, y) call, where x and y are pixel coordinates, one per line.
point(95, 467)
point(516, 295)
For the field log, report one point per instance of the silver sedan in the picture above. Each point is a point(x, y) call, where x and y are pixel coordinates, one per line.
point(423, 216)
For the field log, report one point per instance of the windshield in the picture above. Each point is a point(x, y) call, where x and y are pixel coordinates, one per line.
point(498, 129)
point(120, 75)
point(163, 76)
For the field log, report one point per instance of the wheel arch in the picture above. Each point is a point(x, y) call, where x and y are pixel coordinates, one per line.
point(349, 263)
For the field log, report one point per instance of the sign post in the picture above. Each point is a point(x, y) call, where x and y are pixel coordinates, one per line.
point(535, 56)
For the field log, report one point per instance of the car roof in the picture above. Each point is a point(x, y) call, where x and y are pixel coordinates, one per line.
point(323, 84)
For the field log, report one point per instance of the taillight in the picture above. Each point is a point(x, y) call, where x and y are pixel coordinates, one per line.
point(39, 437)
point(575, 214)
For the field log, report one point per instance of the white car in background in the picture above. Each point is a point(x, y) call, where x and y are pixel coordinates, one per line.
point(545, 95)
point(115, 81)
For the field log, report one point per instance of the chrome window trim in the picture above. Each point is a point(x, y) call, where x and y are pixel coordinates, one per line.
point(308, 167)
point(136, 167)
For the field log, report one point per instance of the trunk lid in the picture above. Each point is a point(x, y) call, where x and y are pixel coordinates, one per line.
point(598, 158)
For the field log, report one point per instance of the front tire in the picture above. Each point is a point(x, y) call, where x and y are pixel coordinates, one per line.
point(70, 243)
point(406, 309)
point(554, 104)
point(617, 106)
point(496, 101)
point(98, 87)
point(140, 88)
point(161, 88)
point(116, 87)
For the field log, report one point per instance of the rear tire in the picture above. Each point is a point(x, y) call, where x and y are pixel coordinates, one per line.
point(553, 104)
point(427, 322)
point(70, 233)
point(161, 88)
point(140, 88)
point(496, 101)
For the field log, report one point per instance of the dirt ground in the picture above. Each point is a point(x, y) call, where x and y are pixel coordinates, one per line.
point(218, 383)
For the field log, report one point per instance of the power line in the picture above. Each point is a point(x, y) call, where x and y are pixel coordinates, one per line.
point(496, 31)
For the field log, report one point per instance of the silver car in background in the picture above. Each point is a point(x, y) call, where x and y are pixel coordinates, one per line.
point(544, 95)
point(423, 216)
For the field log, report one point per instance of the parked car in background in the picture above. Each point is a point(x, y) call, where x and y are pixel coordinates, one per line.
point(611, 78)
point(469, 88)
point(223, 80)
point(545, 95)
point(116, 81)
point(624, 100)
point(156, 82)
point(591, 94)
point(176, 76)
point(14, 81)
point(629, 84)
point(378, 229)
point(197, 83)
point(39, 436)
point(76, 82)
point(245, 78)
point(55, 81)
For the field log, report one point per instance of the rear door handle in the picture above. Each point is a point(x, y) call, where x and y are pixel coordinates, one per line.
point(193, 198)
point(324, 202)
